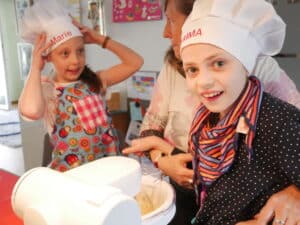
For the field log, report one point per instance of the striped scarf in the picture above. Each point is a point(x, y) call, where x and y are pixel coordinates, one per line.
point(214, 148)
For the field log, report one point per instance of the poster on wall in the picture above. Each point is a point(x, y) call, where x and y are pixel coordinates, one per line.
point(141, 85)
point(136, 10)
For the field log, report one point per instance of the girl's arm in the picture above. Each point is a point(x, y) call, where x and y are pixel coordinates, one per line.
point(130, 63)
point(31, 102)
point(130, 60)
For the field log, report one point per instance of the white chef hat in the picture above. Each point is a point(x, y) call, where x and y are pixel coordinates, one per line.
point(51, 17)
point(244, 28)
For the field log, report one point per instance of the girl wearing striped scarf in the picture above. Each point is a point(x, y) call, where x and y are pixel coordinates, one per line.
point(244, 142)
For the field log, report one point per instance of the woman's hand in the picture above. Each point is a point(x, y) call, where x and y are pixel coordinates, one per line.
point(174, 166)
point(283, 206)
point(141, 145)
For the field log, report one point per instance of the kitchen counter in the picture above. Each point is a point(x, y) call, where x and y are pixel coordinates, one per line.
point(7, 182)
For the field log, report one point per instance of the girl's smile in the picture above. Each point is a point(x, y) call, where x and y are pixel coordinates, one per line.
point(74, 71)
point(212, 95)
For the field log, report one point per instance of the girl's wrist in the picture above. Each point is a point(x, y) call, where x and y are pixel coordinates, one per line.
point(105, 41)
point(157, 158)
point(34, 70)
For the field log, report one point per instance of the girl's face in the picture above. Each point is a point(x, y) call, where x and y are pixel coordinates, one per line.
point(214, 75)
point(68, 60)
point(172, 30)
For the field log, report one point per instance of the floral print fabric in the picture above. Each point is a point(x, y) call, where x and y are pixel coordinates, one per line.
point(82, 130)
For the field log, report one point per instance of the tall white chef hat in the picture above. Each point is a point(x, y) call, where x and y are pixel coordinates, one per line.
point(244, 28)
point(51, 17)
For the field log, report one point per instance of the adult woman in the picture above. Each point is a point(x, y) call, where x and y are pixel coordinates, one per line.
point(170, 113)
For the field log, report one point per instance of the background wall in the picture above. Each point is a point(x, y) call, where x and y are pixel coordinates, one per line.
point(144, 37)
point(290, 14)
point(10, 38)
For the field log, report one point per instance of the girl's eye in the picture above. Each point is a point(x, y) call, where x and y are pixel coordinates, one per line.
point(81, 50)
point(218, 64)
point(65, 53)
point(191, 71)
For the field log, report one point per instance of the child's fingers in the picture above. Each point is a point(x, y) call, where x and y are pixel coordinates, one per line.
point(81, 27)
point(39, 40)
point(84, 30)
point(41, 46)
point(46, 47)
point(76, 23)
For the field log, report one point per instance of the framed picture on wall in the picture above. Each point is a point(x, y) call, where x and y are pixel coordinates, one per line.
point(93, 14)
point(20, 6)
point(96, 16)
point(24, 56)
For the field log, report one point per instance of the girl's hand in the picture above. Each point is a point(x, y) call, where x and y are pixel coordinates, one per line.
point(39, 57)
point(90, 36)
point(175, 166)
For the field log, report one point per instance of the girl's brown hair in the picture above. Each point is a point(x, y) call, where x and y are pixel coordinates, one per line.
point(92, 80)
point(185, 7)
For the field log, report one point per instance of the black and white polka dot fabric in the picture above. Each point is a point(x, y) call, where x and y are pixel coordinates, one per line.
point(240, 193)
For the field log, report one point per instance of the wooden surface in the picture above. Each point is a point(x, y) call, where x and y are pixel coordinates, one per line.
point(7, 182)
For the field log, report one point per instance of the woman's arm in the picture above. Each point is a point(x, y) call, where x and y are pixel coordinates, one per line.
point(174, 166)
point(284, 204)
point(157, 116)
point(31, 102)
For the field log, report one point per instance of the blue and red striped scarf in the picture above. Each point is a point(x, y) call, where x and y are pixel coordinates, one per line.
point(214, 148)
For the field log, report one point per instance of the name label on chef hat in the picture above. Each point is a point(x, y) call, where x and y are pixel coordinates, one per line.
point(58, 38)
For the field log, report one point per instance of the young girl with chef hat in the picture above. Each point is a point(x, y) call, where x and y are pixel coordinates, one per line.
point(72, 100)
point(245, 142)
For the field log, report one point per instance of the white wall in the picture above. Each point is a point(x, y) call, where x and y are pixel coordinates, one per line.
point(10, 39)
point(144, 37)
